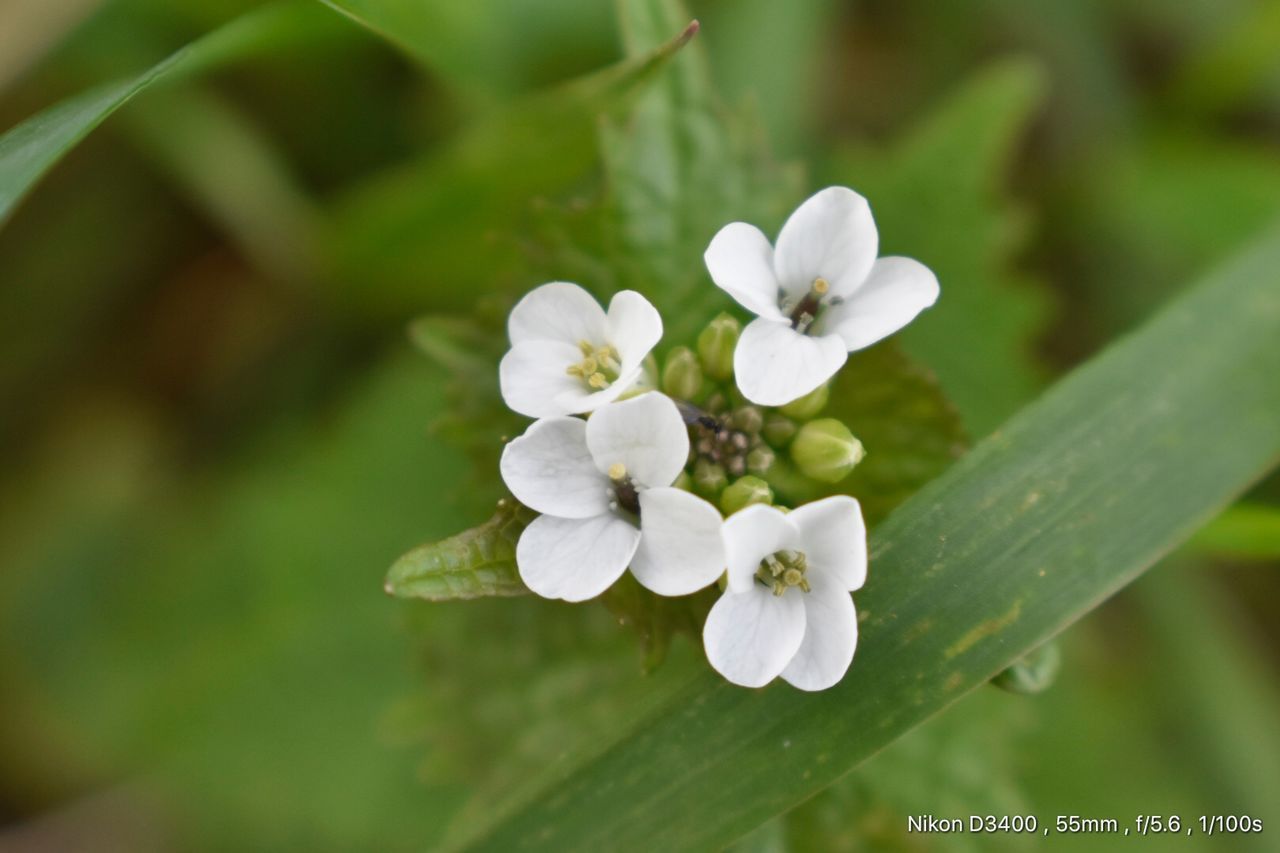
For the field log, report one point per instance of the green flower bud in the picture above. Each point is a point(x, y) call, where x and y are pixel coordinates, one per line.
point(778, 429)
point(748, 419)
point(760, 459)
point(709, 478)
point(683, 482)
point(716, 345)
point(809, 405)
point(745, 491)
point(825, 450)
point(682, 375)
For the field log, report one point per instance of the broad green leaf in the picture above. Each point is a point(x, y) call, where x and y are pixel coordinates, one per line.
point(935, 194)
point(1244, 532)
point(29, 150)
point(1059, 508)
point(478, 562)
point(438, 231)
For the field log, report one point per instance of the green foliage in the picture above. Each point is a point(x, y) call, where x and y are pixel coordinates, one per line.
point(935, 197)
point(32, 148)
point(478, 562)
point(1076, 495)
point(1244, 532)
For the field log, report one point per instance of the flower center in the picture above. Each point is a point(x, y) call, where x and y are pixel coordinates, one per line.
point(599, 367)
point(782, 570)
point(624, 492)
point(809, 308)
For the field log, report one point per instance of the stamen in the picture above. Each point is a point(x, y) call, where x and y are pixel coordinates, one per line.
point(617, 471)
point(782, 570)
point(597, 380)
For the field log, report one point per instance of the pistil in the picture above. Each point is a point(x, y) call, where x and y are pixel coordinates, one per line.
point(806, 310)
point(625, 494)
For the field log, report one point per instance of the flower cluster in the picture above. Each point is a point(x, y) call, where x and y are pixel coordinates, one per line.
point(644, 479)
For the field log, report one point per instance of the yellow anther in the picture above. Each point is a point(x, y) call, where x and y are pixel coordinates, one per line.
point(574, 370)
point(589, 366)
point(820, 286)
point(617, 471)
point(598, 380)
point(586, 347)
point(792, 577)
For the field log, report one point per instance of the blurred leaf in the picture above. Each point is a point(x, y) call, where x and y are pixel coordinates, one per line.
point(476, 563)
point(436, 233)
point(485, 46)
point(1067, 502)
point(1034, 672)
point(935, 197)
point(1247, 531)
point(776, 60)
point(1216, 689)
point(1231, 67)
point(29, 150)
point(228, 166)
point(32, 27)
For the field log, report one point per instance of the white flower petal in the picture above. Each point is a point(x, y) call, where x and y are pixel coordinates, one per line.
point(774, 364)
point(549, 469)
point(680, 546)
point(830, 636)
point(646, 434)
point(575, 558)
point(633, 327)
point(831, 236)
point(533, 379)
point(833, 537)
point(895, 292)
point(751, 636)
point(558, 311)
point(740, 260)
point(750, 535)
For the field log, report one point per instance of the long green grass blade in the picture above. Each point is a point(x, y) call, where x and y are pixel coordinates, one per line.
point(32, 148)
point(1069, 501)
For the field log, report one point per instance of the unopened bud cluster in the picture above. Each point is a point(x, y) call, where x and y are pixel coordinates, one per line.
point(739, 449)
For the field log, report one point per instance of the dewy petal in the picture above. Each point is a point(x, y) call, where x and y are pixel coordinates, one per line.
point(575, 558)
point(895, 292)
point(831, 236)
point(751, 636)
point(558, 311)
point(533, 379)
point(646, 434)
point(740, 260)
point(830, 636)
point(833, 537)
point(680, 546)
point(633, 327)
point(750, 535)
point(549, 469)
point(774, 364)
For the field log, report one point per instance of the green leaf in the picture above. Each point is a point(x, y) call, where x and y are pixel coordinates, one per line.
point(438, 231)
point(910, 430)
point(1067, 502)
point(935, 198)
point(32, 148)
point(478, 562)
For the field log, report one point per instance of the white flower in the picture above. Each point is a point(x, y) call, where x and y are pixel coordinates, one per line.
point(568, 356)
point(787, 609)
point(603, 487)
point(819, 296)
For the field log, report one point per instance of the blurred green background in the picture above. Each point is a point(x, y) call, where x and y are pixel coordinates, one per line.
point(217, 436)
